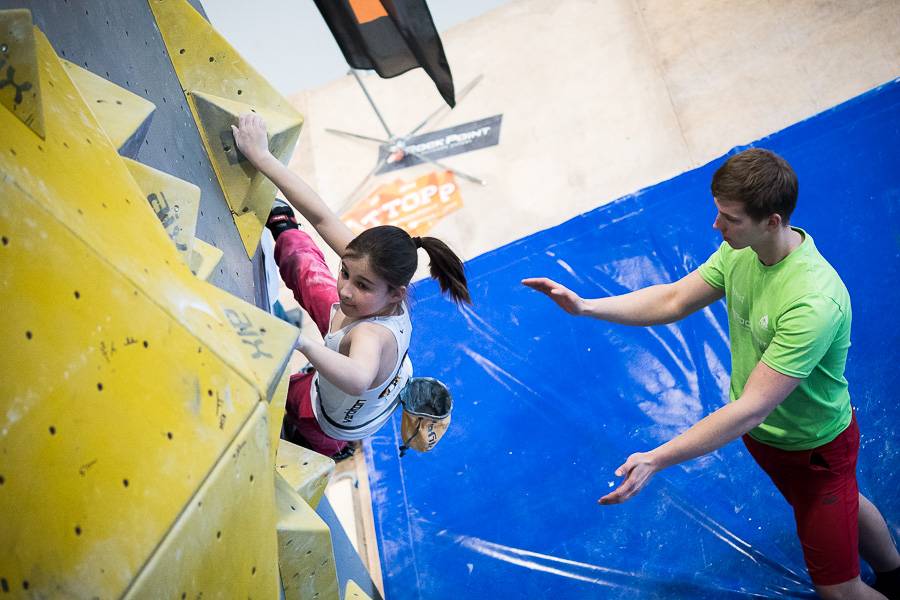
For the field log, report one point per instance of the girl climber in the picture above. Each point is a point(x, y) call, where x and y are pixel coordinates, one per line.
point(363, 316)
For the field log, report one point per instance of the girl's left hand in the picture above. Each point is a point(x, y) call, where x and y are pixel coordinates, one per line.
point(250, 137)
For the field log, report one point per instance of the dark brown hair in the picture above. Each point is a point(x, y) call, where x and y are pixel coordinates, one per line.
point(759, 179)
point(392, 255)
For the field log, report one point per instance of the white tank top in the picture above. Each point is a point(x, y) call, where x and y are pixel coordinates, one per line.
point(345, 417)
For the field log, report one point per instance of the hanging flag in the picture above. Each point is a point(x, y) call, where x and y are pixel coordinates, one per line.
point(390, 37)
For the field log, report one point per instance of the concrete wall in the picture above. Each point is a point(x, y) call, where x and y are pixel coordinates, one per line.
point(602, 98)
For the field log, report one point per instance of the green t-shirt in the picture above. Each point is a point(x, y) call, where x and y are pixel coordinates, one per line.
point(795, 317)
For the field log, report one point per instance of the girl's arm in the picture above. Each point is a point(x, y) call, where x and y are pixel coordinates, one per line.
point(250, 137)
point(353, 374)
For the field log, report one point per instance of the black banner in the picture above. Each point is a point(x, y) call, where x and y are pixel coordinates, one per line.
point(389, 36)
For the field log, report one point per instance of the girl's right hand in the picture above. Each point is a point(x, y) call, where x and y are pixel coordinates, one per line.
point(568, 300)
point(250, 137)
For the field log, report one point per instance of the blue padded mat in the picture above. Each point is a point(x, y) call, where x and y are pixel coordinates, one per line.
point(547, 406)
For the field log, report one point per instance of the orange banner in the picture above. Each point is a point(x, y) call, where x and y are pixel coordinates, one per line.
point(416, 206)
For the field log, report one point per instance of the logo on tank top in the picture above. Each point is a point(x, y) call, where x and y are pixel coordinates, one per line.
point(764, 322)
point(390, 387)
point(351, 412)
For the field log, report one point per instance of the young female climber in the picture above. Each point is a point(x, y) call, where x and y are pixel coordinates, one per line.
point(363, 316)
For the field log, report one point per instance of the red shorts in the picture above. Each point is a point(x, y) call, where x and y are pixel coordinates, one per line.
point(303, 269)
point(300, 424)
point(820, 485)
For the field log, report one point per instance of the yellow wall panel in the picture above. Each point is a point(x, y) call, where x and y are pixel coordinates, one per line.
point(125, 377)
point(305, 554)
point(243, 184)
point(354, 592)
point(248, 192)
point(206, 62)
point(78, 173)
point(307, 472)
point(121, 113)
point(111, 413)
point(224, 545)
point(276, 413)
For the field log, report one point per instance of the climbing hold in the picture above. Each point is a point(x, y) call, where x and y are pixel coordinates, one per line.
point(204, 258)
point(221, 85)
point(248, 192)
point(124, 116)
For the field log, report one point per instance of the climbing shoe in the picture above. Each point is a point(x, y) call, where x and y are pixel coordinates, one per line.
point(281, 218)
point(348, 451)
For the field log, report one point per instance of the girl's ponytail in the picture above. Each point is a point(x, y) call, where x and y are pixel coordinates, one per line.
point(446, 267)
point(392, 255)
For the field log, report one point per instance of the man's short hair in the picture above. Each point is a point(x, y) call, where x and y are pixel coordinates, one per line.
point(759, 179)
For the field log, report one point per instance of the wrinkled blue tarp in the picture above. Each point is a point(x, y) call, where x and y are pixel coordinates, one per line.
point(547, 406)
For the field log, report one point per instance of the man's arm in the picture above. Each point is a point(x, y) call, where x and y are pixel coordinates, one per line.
point(250, 136)
point(654, 305)
point(766, 388)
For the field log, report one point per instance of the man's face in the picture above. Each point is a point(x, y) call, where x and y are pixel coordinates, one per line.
point(736, 226)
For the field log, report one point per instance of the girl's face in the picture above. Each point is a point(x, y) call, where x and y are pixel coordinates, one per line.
point(362, 293)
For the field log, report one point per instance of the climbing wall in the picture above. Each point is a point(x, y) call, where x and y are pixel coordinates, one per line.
point(143, 387)
point(121, 42)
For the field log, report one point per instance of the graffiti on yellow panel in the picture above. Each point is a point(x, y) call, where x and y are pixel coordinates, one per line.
point(20, 85)
point(175, 202)
point(416, 205)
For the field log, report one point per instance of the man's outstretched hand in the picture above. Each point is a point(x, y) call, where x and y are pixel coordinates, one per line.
point(637, 471)
point(568, 300)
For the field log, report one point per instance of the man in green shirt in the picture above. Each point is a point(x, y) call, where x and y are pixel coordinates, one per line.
point(789, 324)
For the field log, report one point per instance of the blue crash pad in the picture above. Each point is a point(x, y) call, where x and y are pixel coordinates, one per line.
point(547, 406)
